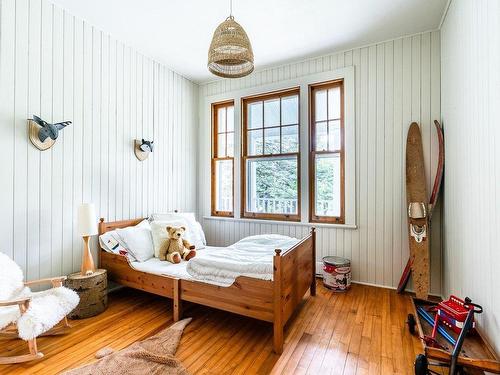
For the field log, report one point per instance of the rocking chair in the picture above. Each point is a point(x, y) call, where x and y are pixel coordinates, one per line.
point(25, 314)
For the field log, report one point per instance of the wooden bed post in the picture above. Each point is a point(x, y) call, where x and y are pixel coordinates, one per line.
point(101, 231)
point(177, 300)
point(278, 310)
point(313, 281)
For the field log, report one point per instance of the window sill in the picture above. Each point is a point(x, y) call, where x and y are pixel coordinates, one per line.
point(281, 222)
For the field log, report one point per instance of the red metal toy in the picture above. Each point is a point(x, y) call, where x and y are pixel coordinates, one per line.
point(452, 313)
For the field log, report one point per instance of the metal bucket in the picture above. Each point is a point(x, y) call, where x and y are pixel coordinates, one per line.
point(336, 273)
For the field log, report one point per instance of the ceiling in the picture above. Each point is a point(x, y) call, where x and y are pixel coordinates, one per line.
point(177, 33)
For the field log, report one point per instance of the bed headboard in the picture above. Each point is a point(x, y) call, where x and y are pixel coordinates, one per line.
point(112, 225)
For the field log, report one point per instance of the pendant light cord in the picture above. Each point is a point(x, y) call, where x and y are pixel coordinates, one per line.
point(230, 8)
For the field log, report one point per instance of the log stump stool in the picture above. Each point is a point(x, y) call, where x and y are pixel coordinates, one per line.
point(93, 293)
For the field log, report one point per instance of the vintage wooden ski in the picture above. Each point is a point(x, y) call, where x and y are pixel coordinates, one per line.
point(417, 211)
point(405, 277)
point(439, 171)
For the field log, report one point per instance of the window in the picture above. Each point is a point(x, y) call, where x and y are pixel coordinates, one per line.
point(270, 156)
point(326, 159)
point(222, 158)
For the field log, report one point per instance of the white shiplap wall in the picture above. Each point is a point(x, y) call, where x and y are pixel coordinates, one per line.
point(61, 68)
point(396, 82)
point(471, 111)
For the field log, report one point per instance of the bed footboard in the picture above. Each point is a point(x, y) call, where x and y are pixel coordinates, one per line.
point(294, 275)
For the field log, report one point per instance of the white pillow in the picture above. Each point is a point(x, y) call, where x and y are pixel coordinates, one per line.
point(144, 224)
point(159, 233)
point(112, 242)
point(138, 241)
point(196, 235)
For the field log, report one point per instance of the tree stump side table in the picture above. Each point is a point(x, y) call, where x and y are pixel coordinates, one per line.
point(93, 293)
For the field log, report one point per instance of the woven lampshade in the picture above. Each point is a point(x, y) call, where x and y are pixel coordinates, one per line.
point(230, 54)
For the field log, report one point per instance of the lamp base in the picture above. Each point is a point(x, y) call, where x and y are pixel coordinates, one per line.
point(88, 267)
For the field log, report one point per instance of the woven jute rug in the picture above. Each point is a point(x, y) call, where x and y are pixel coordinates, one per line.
point(154, 355)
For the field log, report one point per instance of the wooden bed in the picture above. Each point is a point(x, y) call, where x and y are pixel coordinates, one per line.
point(272, 301)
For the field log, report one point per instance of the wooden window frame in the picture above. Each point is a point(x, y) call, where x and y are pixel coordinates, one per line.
point(216, 158)
point(245, 101)
point(313, 218)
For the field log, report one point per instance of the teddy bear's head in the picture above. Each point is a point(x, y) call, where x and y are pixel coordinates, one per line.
point(175, 232)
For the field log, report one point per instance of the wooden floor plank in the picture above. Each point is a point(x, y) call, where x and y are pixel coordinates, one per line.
point(358, 332)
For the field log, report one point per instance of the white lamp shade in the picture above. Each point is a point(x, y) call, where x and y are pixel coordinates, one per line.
point(87, 220)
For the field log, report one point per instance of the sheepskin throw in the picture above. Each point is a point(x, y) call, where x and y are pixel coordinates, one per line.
point(153, 356)
point(46, 308)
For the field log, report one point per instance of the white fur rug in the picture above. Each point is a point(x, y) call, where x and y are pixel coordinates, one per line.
point(46, 308)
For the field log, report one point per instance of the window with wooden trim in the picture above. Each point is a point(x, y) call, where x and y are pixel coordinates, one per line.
point(271, 156)
point(326, 157)
point(222, 158)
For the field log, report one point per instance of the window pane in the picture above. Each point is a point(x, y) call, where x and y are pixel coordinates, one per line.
point(334, 103)
point(272, 141)
point(327, 185)
point(255, 115)
point(320, 105)
point(334, 135)
point(290, 110)
point(290, 139)
point(272, 112)
point(221, 145)
point(255, 142)
point(230, 119)
point(230, 144)
point(272, 186)
point(321, 137)
point(224, 185)
point(221, 120)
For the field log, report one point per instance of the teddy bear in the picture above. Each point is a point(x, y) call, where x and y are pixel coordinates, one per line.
point(175, 247)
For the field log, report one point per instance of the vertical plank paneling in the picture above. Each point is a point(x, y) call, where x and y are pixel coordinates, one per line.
point(77, 130)
point(395, 82)
point(104, 129)
point(68, 211)
point(57, 150)
point(399, 231)
point(112, 140)
point(380, 141)
point(58, 67)
point(388, 161)
point(20, 144)
point(96, 115)
point(118, 135)
point(372, 159)
point(470, 81)
point(33, 197)
point(46, 92)
point(7, 62)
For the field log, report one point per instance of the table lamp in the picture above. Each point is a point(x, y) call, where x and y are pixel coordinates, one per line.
point(87, 226)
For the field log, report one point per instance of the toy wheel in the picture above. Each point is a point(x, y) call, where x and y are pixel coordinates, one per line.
point(412, 323)
point(421, 365)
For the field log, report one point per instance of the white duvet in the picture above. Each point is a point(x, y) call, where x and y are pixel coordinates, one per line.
point(252, 257)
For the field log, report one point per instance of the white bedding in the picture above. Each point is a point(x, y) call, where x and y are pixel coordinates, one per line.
point(252, 257)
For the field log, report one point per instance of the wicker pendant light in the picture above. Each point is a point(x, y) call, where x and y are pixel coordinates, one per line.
point(230, 54)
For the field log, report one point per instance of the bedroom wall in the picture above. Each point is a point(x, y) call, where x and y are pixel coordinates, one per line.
point(470, 53)
point(396, 82)
point(62, 68)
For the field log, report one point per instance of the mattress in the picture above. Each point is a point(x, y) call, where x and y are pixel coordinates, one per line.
point(250, 257)
point(157, 267)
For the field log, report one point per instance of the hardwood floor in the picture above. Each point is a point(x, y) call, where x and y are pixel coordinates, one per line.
point(359, 332)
